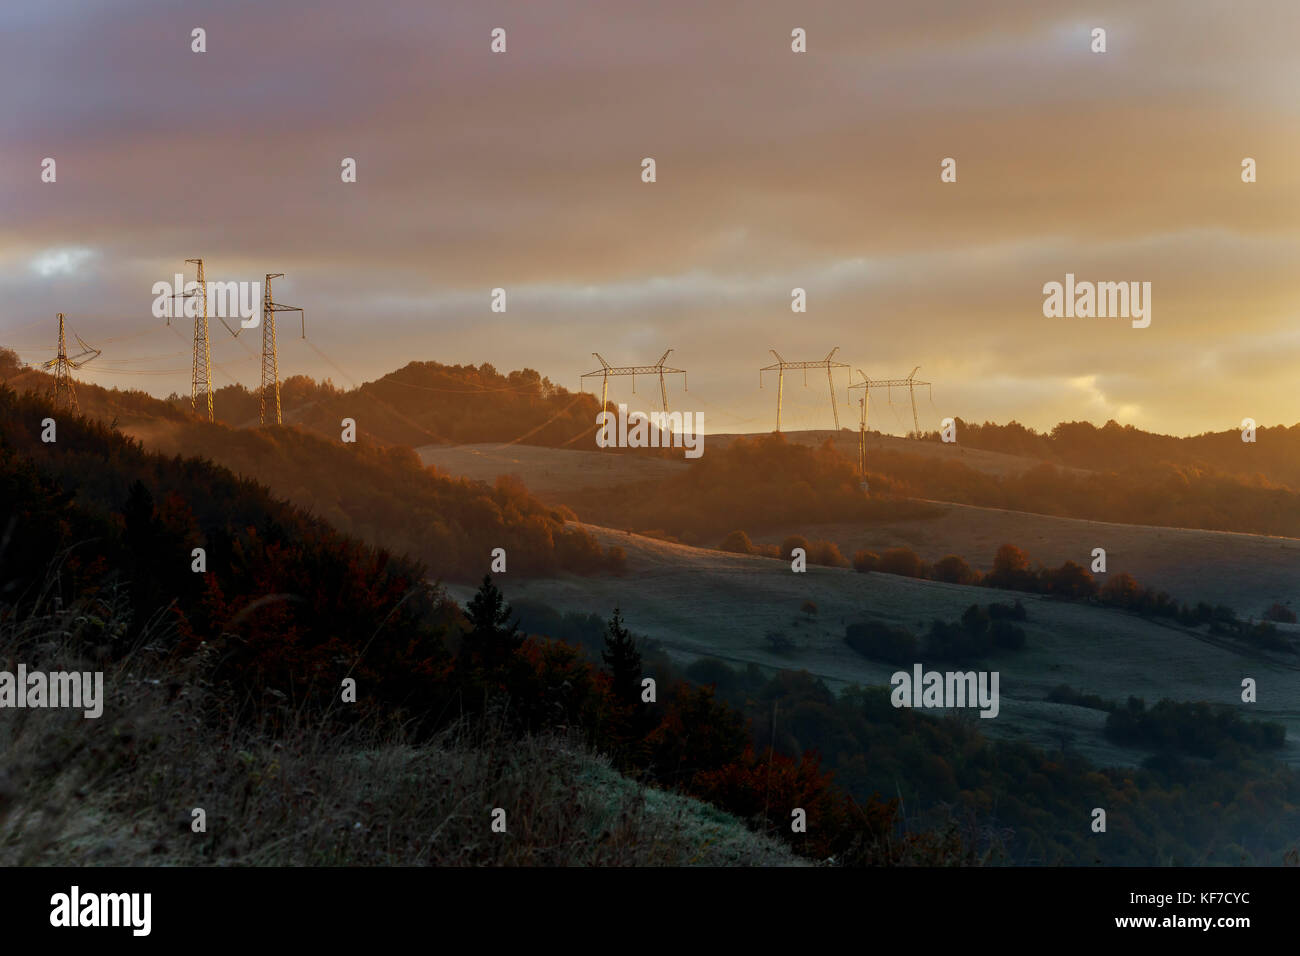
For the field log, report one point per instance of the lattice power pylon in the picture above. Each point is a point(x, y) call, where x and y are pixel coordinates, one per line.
point(780, 367)
point(911, 382)
point(201, 380)
point(269, 394)
point(64, 392)
point(606, 370)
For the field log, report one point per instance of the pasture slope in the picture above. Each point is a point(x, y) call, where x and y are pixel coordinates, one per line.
point(1246, 572)
point(702, 603)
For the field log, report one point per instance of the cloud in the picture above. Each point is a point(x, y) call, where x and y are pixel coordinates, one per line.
point(776, 170)
point(55, 262)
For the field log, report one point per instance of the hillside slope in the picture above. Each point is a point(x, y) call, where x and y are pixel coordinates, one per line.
point(699, 603)
point(1247, 572)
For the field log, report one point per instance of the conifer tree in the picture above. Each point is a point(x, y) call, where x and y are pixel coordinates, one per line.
point(493, 636)
point(623, 660)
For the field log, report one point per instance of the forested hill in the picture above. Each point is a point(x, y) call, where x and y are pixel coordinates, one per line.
point(1273, 457)
point(380, 494)
point(426, 403)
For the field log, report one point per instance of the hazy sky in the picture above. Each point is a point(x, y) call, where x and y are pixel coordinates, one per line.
point(775, 169)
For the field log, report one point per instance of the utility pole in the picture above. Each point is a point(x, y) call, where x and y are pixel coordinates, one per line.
point(270, 390)
point(606, 370)
point(864, 402)
point(64, 392)
point(780, 367)
point(911, 382)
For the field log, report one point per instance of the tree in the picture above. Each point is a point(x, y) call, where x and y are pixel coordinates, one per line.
point(737, 543)
point(903, 561)
point(1068, 581)
point(630, 720)
point(10, 363)
point(1120, 590)
point(792, 541)
point(493, 637)
point(623, 660)
point(865, 561)
point(1011, 570)
point(826, 553)
point(954, 570)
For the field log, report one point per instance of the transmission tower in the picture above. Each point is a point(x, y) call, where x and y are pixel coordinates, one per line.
point(201, 381)
point(606, 370)
point(780, 367)
point(270, 362)
point(64, 392)
point(890, 383)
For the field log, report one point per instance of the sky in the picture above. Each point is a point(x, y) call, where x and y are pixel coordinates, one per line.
point(775, 170)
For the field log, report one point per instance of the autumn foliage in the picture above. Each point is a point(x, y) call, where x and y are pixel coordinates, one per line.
point(284, 609)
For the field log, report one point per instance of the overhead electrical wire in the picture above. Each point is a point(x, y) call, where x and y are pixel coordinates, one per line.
point(129, 367)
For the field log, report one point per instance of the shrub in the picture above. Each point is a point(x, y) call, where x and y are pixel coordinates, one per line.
point(952, 641)
point(1065, 694)
point(865, 561)
point(792, 541)
point(1011, 570)
point(827, 553)
point(1069, 581)
point(737, 543)
point(954, 570)
point(903, 561)
point(878, 641)
point(1120, 590)
point(1197, 729)
point(975, 635)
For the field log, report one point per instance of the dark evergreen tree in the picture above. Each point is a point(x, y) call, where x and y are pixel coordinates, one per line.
point(623, 660)
point(632, 719)
point(493, 637)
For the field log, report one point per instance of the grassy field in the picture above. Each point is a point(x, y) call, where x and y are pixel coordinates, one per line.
point(846, 443)
point(1247, 572)
point(550, 472)
point(702, 603)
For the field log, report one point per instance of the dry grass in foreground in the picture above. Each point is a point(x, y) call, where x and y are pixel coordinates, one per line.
point(120, 789)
